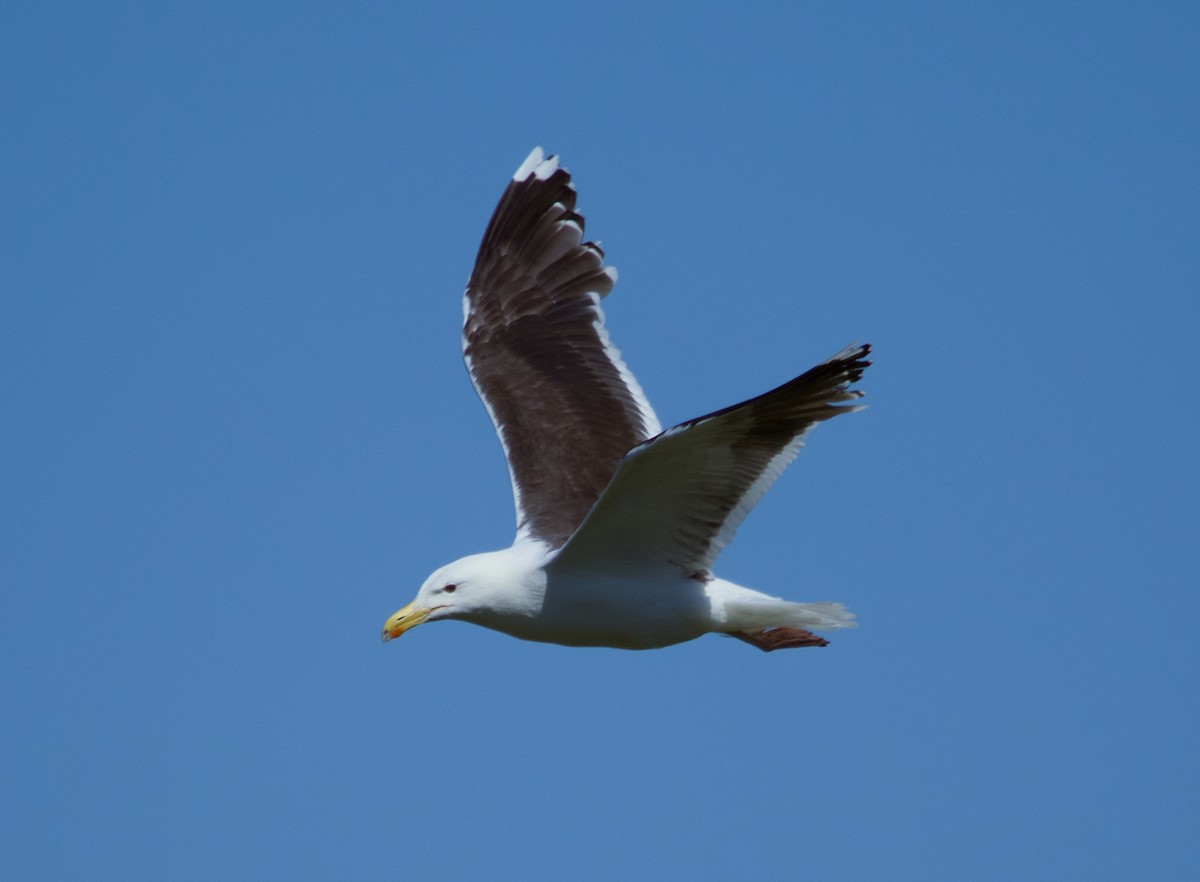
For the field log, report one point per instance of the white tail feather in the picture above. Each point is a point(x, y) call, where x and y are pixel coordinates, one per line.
point(757, 615)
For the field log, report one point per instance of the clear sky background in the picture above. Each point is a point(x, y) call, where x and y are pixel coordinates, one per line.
point(237, 435)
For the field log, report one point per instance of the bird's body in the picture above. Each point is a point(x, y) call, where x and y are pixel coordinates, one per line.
point(520, 592)
point(618, 522)
point(581, 608)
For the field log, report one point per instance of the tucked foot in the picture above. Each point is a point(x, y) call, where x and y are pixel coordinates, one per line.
point(780, 638)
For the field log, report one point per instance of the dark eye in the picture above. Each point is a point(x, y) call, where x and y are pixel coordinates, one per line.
point(450, 589)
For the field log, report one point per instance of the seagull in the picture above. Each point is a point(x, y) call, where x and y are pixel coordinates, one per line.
point(618, 522)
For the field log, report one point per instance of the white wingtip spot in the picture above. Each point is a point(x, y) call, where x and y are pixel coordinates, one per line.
point(536, 164)
point(532, 161)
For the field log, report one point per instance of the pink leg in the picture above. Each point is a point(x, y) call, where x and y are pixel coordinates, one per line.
point(780, 638)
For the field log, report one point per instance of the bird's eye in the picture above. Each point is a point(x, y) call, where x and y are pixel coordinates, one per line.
point(449, 589)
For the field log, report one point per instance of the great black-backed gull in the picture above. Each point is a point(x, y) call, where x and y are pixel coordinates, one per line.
point(618, 522)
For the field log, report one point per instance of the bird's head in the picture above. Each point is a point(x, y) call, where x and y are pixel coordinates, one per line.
point(444, 595)
point(477, 588)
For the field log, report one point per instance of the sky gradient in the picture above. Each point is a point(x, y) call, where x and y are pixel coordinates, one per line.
point(238, 435)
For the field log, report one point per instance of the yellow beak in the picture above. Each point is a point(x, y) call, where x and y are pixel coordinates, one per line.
point(403, 619)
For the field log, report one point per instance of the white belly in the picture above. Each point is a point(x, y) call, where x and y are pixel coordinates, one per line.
point(600, 611)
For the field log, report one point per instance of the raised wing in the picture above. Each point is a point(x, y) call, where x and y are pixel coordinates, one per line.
point(564, 405)
point(677, 500)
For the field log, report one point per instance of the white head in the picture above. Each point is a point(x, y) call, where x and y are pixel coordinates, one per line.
point(477, 588)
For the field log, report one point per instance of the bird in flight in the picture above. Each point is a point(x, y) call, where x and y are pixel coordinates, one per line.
point(619, 523)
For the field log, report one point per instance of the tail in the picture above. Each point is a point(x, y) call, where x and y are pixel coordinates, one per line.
point(759, 615)
point(771, 624)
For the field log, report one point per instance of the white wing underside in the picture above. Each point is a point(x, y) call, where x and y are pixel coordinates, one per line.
point(677, 500)
point(667, 507)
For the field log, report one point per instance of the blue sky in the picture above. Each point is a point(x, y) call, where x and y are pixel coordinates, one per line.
point(238, 435)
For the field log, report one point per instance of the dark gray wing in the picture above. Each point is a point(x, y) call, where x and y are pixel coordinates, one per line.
point(564, 405)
